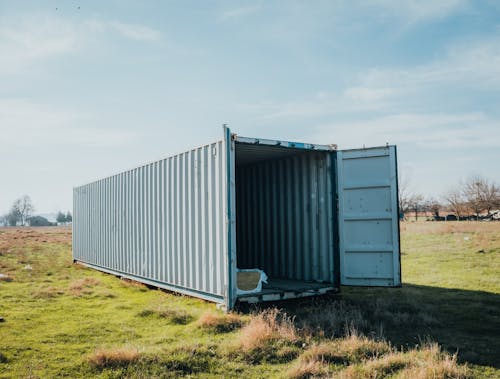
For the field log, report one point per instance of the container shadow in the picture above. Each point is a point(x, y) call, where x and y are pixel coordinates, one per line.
point(462, 321)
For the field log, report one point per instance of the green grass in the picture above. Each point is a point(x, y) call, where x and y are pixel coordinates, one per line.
point(63, 320)
point(51, 330)
point(451, 292)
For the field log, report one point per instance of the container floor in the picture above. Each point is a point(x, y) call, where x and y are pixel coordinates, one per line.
point(282, 289)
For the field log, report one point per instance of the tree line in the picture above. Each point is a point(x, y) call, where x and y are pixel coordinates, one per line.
point(64, 218)
point(21, 213)
point(473, 199)
point(476, 198)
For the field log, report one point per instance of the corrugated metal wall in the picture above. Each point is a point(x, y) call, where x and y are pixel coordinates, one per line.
point(164, 222)
point(285, 217)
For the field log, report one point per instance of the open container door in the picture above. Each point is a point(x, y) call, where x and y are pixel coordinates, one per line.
point(368, 217)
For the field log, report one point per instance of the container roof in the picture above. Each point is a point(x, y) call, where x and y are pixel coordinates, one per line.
point(252, 150)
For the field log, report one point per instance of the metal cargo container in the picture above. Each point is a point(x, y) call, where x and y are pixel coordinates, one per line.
point(311, 217)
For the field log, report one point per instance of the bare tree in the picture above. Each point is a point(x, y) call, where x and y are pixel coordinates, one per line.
point(13, 217)
point(472, 191)
point(490, 195)
point(408, 200)
point(455, 200)
point(434, 206)
point(404, 193)
point(416, 204)
point(22, 209)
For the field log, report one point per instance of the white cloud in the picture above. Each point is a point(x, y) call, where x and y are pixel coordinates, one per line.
point(474, 64)
point(435, 130)
point(468, 66)
point(32, 39)
point(133, 31)
point(24, 124)
point(354, 99)
point(137, 32)
point(29, 40)
point(367, 93)
point(236, 13)
point(414, 11)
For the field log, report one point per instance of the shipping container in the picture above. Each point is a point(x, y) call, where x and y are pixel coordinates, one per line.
point(290, 219)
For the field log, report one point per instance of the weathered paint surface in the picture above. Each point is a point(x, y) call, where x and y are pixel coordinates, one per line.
point(368, 217)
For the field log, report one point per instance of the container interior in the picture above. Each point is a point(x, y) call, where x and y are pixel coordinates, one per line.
point(284, 217)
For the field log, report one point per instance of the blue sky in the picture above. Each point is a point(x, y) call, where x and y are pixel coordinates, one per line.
point(88, 92)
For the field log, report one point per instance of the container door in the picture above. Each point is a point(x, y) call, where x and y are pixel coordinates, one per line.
point(368, 217)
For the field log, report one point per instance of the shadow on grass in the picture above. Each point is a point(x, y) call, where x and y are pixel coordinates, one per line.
point(461, 321)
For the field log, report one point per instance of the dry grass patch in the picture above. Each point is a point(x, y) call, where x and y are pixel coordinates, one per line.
point(377, 367)
point(112, 358)
point(171, 363)
point(323, 352)
point(267, 326)
point(354, 348)
point(432, 362)
point(428, 362)
point(83, 286)
point(307, 369)
point(12, 239)
point(219, 323)
point(269, 336)
point(363, 358)
point(315, 360)
point(47, 292)
point(446, 368)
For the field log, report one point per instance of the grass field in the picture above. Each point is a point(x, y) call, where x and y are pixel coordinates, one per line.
point(61, 320)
